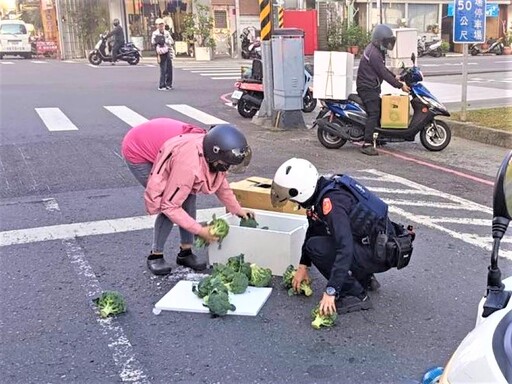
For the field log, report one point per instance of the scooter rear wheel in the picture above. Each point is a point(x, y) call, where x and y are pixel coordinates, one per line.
point(134, 61)
point(94, 58)
point(245, 109)
point(328, 140)
point(308, 103)
point(436, 136)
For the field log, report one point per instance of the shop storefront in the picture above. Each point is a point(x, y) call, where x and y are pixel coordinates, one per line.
point(141, 16)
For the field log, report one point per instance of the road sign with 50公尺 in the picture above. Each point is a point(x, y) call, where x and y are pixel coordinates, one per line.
point(469, 21)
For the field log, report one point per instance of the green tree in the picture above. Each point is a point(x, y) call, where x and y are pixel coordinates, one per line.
point(90, 19)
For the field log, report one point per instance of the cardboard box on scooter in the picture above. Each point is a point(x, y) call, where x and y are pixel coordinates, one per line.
point(333, 75)
point(394, 111)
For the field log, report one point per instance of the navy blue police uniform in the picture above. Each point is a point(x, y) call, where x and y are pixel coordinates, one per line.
point(340, 238)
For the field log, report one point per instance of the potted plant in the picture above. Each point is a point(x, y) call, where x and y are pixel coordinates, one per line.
point(336, 36)
point(200, 26)
point(507, 43)
point(355, 38)
point(445, 47)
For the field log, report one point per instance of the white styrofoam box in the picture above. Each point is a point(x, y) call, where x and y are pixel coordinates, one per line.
point(332, 87)
point(406, 43)
point(276, 247)
point(332, 63)
point(181, 298)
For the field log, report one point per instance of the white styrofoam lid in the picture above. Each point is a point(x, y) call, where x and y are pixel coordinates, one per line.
point(181, 298)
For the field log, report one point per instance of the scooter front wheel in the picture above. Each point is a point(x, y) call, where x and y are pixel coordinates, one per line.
point(328, 140)
point(436, 136)
point(94, 58)
point(134, 60)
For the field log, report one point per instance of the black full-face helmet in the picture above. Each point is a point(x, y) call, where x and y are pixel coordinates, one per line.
point(383, 37)
point(225, 149)
point(115, 22)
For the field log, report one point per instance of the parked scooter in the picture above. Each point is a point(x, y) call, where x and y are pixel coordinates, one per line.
point(485, 355)
point(128, 52)
point(340, 121)
point(494, 46)
point(248, 95)
point(251, 47)
point(432, 48)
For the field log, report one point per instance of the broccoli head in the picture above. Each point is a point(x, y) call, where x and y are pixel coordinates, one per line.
point(249, 222)
point(260, 277)
point(110, 303)
point(218, 227)
point(305, 285)
point(207, 284)
point(321, 320)
point(218, 303)
point(238, 264)
point(238, 283)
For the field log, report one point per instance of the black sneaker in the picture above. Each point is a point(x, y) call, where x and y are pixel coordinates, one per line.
point(157, 265)
point(369, 149)
point(354, 304)
point(187, 259)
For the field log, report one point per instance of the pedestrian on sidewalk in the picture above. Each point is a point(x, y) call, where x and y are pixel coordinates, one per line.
point(198, 164)
point(164, 45)
point(349, 237)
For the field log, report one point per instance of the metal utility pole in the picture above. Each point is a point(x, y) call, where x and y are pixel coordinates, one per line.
point(267, 104)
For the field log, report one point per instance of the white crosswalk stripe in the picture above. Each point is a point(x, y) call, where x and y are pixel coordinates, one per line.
point(56, 120)
point(215, 71)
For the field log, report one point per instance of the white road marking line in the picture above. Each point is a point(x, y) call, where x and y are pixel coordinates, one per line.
point(93, 66)
point(91, 228)
point(398, 191)
point(230, 105)
point(129, 116)
point(229, 70)
point(221, 74)
point(431, 204)
point(51, 205)
point(6, 62)
point(130, 368)
point(226, 78)
point(55, 120)
point(466, 237)
point(69, 61)
point(196, 114)
point(463, 220)
point(38, 62)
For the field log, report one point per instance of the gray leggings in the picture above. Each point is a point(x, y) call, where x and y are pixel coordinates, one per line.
point(163, 225)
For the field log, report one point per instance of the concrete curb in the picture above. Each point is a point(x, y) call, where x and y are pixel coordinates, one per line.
point(480, 134)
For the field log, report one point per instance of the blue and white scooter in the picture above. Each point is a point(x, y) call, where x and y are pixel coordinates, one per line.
point(340, 121)
point(485, 355)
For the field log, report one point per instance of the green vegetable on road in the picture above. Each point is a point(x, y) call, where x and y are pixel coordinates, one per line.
point(321, 320)
point(305, 286)
point(218, 227)
point(110, 303)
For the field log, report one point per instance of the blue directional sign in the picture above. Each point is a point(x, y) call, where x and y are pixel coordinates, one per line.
point(469, 21)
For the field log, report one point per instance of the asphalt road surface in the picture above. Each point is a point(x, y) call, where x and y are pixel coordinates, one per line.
point(72, 224)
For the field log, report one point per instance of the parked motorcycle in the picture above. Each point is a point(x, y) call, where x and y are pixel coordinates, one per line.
point(128, 52)
point(485, 355)
point(340, 121)
point(494, 46)
point(432, 48)
point(251, 47)
point(248, 95)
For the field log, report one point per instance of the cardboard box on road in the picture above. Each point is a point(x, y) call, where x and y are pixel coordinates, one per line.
point(395, 111)
point(254, 192)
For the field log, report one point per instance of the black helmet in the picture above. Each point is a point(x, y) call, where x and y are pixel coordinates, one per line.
point(115, 22)
point(225, 148)
point(383, 37)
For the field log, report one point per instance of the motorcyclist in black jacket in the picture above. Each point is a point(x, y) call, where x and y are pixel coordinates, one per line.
point(118, 34)
point(337, 240)
point(370, 74)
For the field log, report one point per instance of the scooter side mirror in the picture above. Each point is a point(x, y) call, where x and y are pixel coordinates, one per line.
point(502, 198)
point(497, 297)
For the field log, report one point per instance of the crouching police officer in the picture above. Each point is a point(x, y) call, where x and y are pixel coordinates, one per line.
point(349, 235)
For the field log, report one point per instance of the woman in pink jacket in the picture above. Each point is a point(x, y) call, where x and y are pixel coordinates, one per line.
point(185, 165)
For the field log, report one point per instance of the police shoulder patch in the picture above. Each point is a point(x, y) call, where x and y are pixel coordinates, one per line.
point(326, 206)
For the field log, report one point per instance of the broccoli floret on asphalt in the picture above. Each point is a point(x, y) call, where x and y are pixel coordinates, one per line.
point(218, 227)
point(218, 303)
point(110, 303)
point(321, 320)
point(249, 222)
point(305, 285)
point(238, 283)
point(260, 277)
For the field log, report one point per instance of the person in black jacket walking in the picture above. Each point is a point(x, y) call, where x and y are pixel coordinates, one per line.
point(347, 235)
point(370, 74)
point(118, 34)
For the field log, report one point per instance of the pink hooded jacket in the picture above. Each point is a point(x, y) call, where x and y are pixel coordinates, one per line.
point(180, 170)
